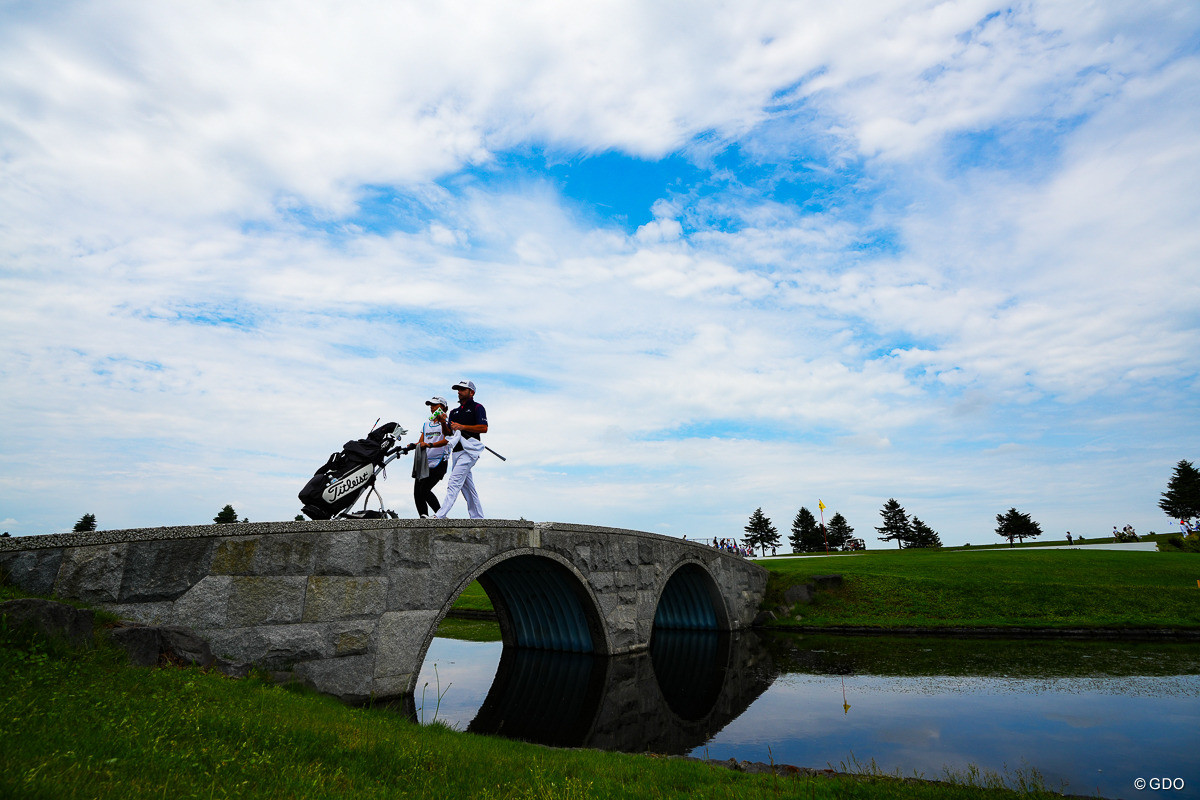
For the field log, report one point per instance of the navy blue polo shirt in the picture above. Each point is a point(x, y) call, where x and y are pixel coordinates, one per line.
point(469, 413)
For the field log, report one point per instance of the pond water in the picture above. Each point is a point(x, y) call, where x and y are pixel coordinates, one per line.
point(1089, 717)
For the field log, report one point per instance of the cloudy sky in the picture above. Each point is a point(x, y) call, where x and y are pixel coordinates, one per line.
point(698, 257)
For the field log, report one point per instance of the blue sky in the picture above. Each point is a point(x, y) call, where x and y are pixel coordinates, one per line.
point(699, 259)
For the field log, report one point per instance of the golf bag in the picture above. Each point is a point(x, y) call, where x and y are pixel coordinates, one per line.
point(350, 474)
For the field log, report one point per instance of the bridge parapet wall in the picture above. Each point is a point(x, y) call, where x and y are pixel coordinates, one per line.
point(352, 606)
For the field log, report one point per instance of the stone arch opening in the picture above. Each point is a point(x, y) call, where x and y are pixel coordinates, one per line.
point(691, 601)
point(543, 605)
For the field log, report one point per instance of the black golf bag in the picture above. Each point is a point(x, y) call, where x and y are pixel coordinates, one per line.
point(350, 474)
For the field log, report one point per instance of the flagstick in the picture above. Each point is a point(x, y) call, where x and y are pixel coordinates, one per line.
point(824, 533)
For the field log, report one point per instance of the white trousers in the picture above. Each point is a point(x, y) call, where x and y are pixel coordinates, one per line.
point(460, 480)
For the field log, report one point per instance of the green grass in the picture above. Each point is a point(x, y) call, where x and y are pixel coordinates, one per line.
point(469, 630)
point(473, 598)
point(1032, 588)
point(88, 725)
point(921, 656)
point(998, 542)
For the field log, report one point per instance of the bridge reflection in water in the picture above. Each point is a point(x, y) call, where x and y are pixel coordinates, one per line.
point(672, 699)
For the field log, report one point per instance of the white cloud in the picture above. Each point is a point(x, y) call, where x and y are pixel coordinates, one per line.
point(181, 331)
point(210, 109)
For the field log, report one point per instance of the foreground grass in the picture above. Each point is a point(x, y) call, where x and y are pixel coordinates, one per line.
point(87, 725)
point(1038, 589)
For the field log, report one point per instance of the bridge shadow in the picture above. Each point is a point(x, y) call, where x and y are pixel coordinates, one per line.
point(671, 699)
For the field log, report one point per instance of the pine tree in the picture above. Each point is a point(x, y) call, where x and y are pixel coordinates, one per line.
point(1015, 525)
point(896, 526)
point(1181, 500)
point(226, 516)
point(771, 539)
point(760, 531)
point(923, 535)
point(839, 532)
point(807, 536)
point(85, 524)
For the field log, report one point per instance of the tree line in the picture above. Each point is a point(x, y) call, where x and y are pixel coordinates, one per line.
point(807, 535)
point(1181, 502)
point(226, 516)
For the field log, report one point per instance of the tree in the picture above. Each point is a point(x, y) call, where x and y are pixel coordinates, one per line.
point(1181, 500)
point(838, 531)
point(772, 539)
point(807, 536)
point(896, 526)
point(923, 535)
point(226, 516)
point(86, 523)
point(1015, 525)
point(760, 531)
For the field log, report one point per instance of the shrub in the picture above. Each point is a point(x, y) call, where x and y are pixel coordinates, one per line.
point(1177, 543)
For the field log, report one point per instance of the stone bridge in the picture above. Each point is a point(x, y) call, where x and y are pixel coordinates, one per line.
point(351, 606)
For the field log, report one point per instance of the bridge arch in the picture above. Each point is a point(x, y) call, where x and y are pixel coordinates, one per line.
point(542, 602)
point(691, 600)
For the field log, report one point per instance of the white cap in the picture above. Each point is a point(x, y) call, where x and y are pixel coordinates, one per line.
point(464, 384)
point(437, 401)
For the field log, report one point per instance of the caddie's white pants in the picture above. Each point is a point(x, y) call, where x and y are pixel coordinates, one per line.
point(461, 481)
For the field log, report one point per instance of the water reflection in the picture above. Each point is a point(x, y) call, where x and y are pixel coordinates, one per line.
point(1090, 715)
point(545, 697)
point(690, 667)
point(670, 700)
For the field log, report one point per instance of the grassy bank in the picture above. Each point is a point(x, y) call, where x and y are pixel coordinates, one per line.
point(470, 630)
point(473, 598)
point(87, 725)
point(996, 588)
point(971, 588)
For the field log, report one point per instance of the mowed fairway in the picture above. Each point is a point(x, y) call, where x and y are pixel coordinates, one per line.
point(1030, 588)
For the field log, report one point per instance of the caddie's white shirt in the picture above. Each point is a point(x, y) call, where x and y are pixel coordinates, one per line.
point(432, 431)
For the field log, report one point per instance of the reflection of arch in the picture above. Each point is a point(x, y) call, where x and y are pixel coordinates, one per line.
point(690, 668)
point(672, 699)
point(691, 600)
point(545, 697)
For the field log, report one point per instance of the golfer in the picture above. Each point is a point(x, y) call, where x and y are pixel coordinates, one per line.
point(435, 448)
point(467, 422)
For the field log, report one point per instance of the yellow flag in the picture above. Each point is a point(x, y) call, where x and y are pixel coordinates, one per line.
point(820, 505)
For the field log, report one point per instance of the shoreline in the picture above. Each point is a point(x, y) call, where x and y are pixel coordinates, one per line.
point(993, 632)
point(955, 632)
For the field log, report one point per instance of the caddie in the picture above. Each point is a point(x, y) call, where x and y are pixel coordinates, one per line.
point(467, 422)
point(429, 465)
